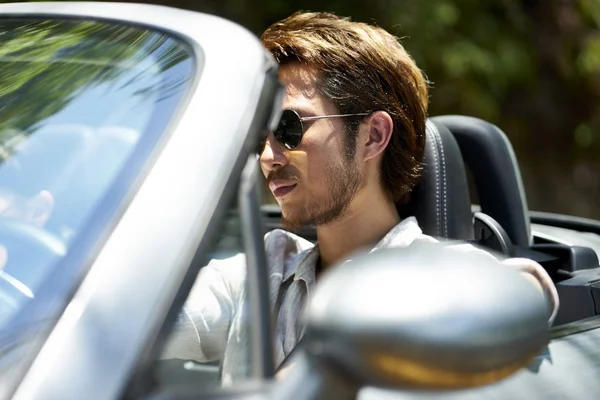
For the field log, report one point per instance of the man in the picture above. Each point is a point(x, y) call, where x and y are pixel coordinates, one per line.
point(347, 150)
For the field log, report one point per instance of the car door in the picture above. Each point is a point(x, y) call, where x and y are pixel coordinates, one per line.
point(169, 103)
point(567, 369)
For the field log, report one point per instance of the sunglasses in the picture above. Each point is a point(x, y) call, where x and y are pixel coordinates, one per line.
point(290, 130)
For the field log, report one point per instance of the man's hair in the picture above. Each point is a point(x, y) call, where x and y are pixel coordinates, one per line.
point(362, 68)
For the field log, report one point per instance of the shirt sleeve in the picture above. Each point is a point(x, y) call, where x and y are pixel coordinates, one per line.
point(201, 330)
point(531, 267)
point(203, 326)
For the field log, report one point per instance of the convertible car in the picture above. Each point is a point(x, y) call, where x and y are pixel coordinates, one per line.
point(127, 138)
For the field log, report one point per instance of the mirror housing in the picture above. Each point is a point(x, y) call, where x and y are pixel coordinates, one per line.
point(426, 316)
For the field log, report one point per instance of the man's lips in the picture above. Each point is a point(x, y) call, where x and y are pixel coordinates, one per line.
point(281, 187)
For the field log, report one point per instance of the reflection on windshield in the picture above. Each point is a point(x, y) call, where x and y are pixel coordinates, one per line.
point(76, 99)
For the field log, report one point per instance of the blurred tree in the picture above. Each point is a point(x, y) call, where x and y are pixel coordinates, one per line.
point(530, 66)
point(52, 60)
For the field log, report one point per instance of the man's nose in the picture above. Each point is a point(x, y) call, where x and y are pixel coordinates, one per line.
point(273, 156)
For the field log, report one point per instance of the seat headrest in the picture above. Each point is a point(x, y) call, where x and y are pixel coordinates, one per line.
point(441, 201)
point(489, 155)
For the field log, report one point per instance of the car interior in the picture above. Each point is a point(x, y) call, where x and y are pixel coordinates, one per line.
point(501, 222)
point(442, 203)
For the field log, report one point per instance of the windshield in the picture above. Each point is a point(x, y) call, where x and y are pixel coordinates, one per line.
point(76, 101)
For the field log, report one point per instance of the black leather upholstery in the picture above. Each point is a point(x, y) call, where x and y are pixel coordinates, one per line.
point(441, 201)
point(490, 157)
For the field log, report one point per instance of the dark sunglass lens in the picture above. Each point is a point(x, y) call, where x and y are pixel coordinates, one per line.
point(289, 131)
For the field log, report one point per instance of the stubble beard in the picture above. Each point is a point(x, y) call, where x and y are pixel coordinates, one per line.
point(344, 181)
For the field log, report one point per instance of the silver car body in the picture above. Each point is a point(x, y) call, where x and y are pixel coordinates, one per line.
point(166, 216)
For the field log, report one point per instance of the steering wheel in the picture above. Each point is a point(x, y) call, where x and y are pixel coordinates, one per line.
point(12, 294)
point(31, 251)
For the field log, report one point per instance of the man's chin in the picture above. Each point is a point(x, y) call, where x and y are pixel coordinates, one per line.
point(292, 222)
point(294, 219)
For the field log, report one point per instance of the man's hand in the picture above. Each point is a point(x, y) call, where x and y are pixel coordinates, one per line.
point(535, 273)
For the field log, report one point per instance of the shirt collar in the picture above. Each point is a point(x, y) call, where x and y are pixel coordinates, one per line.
point(303, 266)
point(401, 235)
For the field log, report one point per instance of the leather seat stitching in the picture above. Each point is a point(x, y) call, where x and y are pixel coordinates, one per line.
point(433, 131)
point(444, 216)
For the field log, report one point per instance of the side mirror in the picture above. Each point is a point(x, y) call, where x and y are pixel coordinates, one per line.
point(426, 317)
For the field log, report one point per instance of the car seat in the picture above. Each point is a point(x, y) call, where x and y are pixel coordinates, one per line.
point(488, 154)
point(440, 201)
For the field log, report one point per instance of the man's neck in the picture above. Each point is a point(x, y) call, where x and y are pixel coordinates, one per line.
point(366, 222)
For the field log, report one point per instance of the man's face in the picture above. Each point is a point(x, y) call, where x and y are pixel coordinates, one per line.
point(316, 181)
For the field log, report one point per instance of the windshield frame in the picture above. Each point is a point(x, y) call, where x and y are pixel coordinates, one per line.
point(234, 115)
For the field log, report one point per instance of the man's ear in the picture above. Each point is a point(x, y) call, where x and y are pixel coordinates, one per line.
point(40, 208)
point(379, 127)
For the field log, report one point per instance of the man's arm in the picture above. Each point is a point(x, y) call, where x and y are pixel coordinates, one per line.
point(202, 327)
point(538, 275)
point(532, 271)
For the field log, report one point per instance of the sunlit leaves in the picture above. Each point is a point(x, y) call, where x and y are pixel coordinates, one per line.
point(43, 63)
point(589, 58)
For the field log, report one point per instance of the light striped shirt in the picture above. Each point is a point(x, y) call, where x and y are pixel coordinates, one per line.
point(214, 322)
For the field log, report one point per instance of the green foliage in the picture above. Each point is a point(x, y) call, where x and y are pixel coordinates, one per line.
point(490, 59)
point(50, 61)
point(531, 67)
